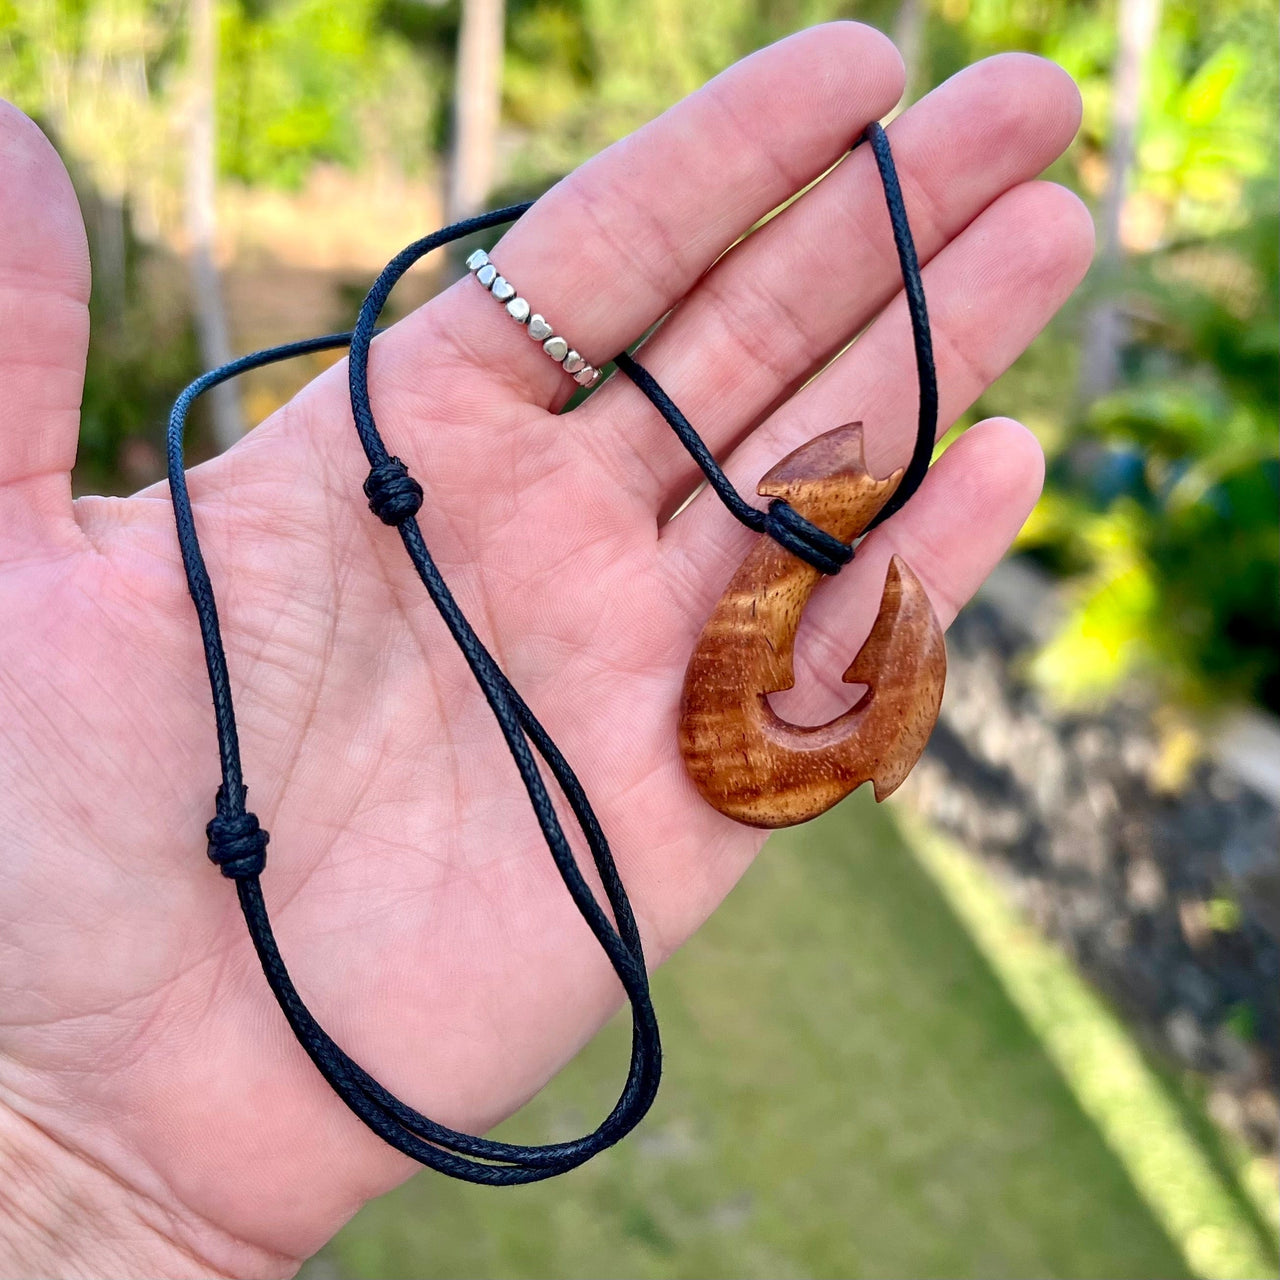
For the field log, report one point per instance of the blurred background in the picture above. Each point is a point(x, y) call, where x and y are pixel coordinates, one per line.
point(1025, 1020)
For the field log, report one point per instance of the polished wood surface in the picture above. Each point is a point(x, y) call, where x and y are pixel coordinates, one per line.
point(747, 761)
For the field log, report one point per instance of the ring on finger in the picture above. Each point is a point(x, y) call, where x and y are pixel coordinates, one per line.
point(536, 326)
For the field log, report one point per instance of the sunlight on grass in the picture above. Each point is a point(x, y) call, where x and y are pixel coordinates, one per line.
point(851, 1091)
point(1132, 1108)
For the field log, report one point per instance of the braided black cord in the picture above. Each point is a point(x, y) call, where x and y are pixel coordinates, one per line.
point(237, 843)
point(782, 522)
point(921, 338)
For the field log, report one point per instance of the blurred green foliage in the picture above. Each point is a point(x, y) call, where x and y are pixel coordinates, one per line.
point(1162, 503)
point(1161, 509)
point(582, 74)
point(310, 81)
point(1162, 497)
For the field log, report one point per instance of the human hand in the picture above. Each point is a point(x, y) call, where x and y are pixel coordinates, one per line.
point(156, 1115)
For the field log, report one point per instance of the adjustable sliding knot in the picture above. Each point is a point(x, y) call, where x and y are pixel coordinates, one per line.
point(816, 547)
point(394, 495)
point(237, 845)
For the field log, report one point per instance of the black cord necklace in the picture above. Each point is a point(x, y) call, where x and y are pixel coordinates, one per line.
point(237, 843)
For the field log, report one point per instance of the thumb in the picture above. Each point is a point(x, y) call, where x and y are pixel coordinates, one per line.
point(44, 337)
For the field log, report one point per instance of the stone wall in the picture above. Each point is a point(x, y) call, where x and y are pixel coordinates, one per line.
point(1167, 896)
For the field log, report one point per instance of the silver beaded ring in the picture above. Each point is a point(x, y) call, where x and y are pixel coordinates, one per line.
point(536, 326)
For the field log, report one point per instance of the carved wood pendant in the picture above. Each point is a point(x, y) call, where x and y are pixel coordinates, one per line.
point(747, 761)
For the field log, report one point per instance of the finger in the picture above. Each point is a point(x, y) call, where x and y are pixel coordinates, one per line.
point(44, 335)
point(608, 250)
point(990, 292)
point(952, 533)
point(781, 303)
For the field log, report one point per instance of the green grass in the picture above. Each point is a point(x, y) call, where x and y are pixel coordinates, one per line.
point(854, 1088)
point(1199, 1184)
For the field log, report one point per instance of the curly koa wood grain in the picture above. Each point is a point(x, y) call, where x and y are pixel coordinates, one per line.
point(748, 762)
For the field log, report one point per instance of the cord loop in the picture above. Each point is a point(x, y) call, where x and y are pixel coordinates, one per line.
point(394, 495)
point(791, 531)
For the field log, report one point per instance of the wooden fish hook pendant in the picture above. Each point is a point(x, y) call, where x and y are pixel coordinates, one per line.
point(747, 761)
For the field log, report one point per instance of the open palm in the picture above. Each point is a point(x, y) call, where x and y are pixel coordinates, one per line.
point(147, 1077)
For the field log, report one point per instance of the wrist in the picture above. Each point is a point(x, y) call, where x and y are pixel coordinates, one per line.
point(65, 1215)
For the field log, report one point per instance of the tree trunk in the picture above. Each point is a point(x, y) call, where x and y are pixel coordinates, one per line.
point(206, 290)
point(908, 35)
point(477, 105)
point(110, 261)
point(1105, 331)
